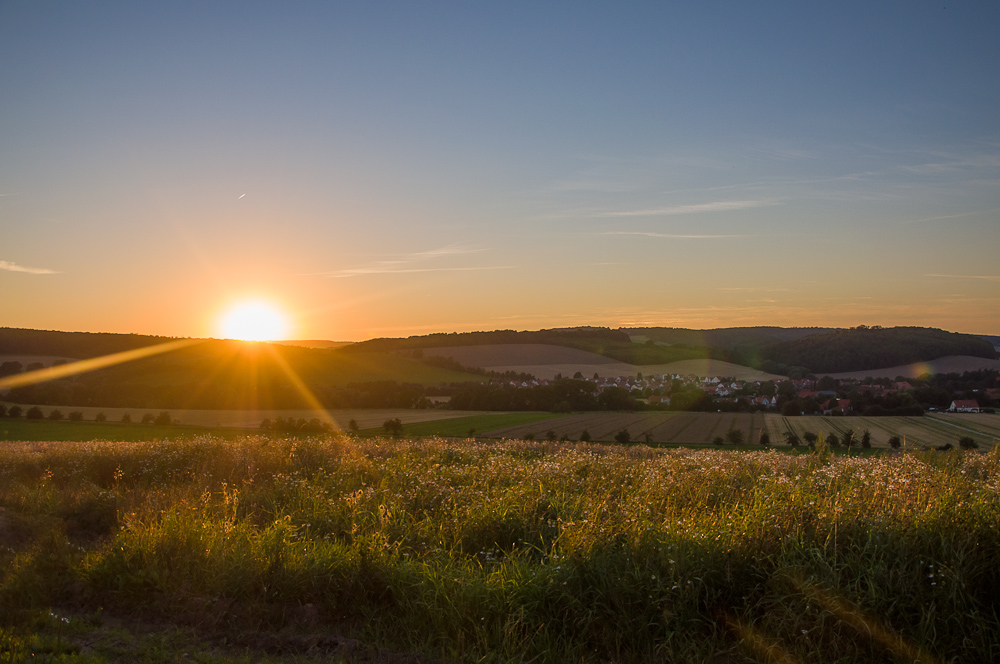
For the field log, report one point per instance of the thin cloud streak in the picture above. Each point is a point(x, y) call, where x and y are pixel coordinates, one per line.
point(986, 277)
point(14, 267)
point(400, 265)
point(716, 206)
point(376, 270)
point(676, 236)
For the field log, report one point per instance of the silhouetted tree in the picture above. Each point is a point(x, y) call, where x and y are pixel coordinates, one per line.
point(35, 413)
point(585, 436)
point(623, 437)
point(393, 427)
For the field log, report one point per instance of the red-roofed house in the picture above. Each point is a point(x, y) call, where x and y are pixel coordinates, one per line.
point(964, 406)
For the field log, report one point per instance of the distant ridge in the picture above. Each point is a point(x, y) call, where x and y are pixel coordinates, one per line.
point(312, 343)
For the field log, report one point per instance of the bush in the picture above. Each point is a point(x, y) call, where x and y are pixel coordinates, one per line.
point(832, 439)
point(100, 417)
point(163, 418)
point(967, 443)
point(765, 438)
point(353, 427)
point(718, 440)
point(792, 439)
point(14, 411)
point(529, 436)
point(894, 442)
point(76, 416)
point(866, 439)
point(623, 437)
point(735, 436)
point(550, 435)
point(810, 438)
point(34, 413)
point(148, 418)
point(585, 436)
point(126, 418)
point(393, 427)
point(56, 415)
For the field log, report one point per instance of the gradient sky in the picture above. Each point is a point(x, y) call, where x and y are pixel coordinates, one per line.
point(384, 169)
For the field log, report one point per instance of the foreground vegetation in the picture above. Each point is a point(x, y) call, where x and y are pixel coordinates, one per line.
point(502, 551)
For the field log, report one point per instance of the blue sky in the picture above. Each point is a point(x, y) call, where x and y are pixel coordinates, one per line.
point(390, 169)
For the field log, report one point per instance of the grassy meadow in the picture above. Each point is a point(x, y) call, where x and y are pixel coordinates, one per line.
point(320, 549)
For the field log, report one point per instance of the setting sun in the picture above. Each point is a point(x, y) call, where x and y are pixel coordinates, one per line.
point(253, 321)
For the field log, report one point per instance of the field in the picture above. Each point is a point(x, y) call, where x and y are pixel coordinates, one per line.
point(459, 427)
point(282, 550)
point(674, 428)
point(546, 361)
point(195, 422)
point(918, 432)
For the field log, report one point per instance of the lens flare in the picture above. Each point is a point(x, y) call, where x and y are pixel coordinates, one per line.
point(253, 321)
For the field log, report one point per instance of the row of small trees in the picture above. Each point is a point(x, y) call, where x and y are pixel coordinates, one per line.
point(36, 413)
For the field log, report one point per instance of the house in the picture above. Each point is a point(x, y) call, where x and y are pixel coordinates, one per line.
point(964, 406)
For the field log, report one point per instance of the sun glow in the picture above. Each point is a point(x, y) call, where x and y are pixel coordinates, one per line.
point(253, 321)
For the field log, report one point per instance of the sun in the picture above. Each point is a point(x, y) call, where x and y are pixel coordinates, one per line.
point(253, 321)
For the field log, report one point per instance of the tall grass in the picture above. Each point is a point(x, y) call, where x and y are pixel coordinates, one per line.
point(521, 551)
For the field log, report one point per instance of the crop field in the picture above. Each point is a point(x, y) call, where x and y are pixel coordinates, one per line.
point(461, 426)
point(220, 422)
point(663, 428)
point(918, 432)
point(428, 550)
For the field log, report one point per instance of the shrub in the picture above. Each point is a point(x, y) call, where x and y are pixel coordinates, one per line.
point(967, 443)
point(34, 413)
point(126, 418)
point(163, 418)
point(623, 437)
point(550, 435)
point(76, 416)
point(832, 439)
point(393, 427)
point(353, 427)
point(585, 436)
point(866, 439)
point(56, 415)
point(765, 438)
point(718, 440)
point(792, 439)
point(810, 438)
point(14, 411)
point(100, 417)
point(894, 442)
point(735, 436)
point(148, 418)
point(529, 436)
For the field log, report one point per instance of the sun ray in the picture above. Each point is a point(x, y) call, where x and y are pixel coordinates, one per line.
point(92, 364)
point(320, 410)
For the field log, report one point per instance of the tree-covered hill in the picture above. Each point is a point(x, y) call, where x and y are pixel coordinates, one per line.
point(863, 348)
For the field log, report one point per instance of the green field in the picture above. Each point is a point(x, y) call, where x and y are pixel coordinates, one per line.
point(381, 550)
point(22, 429)
point(460, 426)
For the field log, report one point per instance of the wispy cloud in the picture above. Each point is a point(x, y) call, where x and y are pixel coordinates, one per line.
point(678, 236)
point(697, 208)
point(356, 272)
point(14, 267)
point(986, 277)
point(411, 263)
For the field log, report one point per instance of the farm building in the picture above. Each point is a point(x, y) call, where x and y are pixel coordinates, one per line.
point(964, 406)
